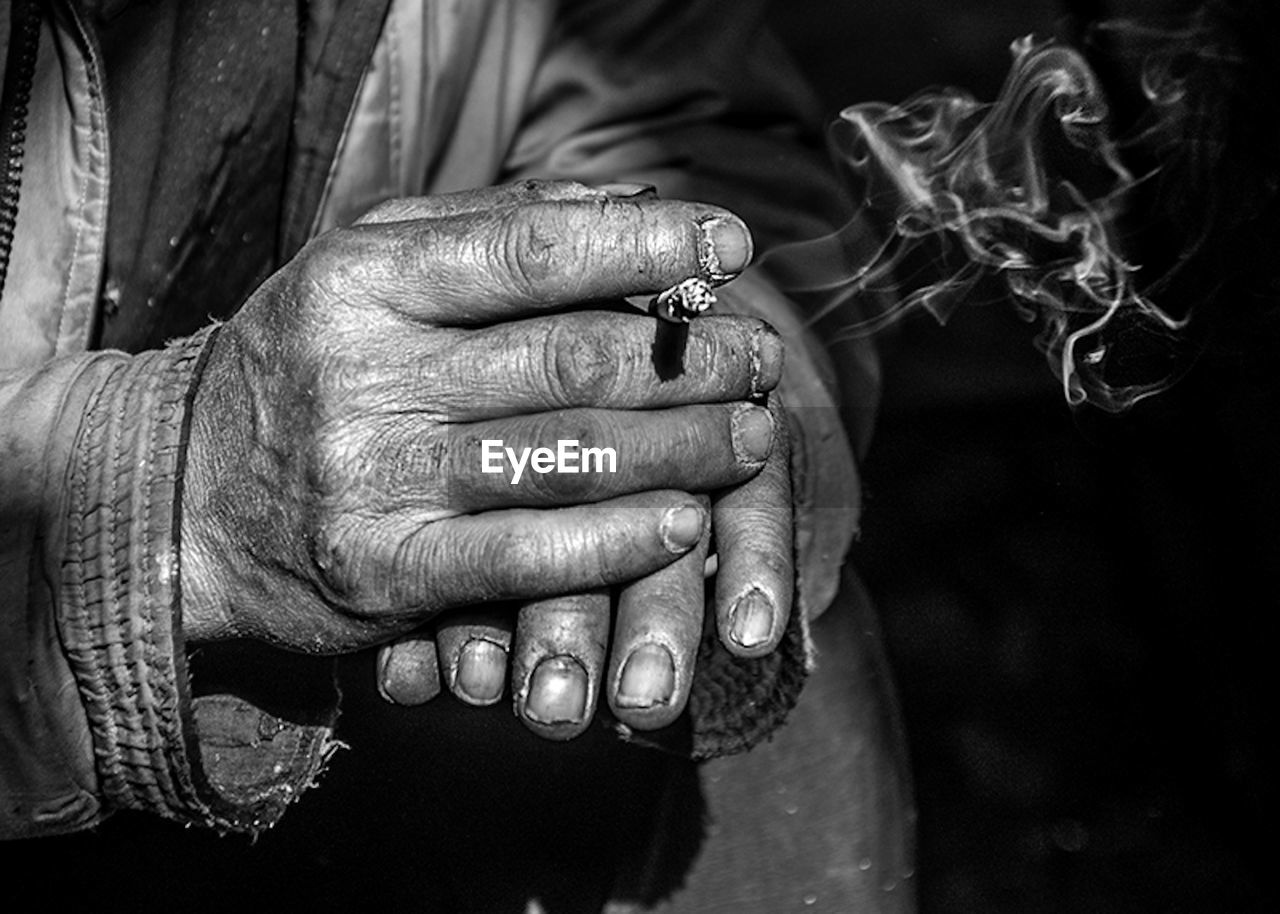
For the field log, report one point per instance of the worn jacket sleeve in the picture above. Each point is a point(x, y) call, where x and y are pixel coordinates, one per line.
point(699, 100)
point(94, 695)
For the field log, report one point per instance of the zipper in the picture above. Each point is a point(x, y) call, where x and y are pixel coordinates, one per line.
point(19, 71)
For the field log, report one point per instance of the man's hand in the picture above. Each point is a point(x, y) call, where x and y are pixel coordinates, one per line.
point(639, 650)
point(558, 650)
point(334, 494)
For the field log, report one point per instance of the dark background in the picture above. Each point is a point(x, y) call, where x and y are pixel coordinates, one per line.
point(1076, 605)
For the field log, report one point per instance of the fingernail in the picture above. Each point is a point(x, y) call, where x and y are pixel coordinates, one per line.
point(751, 620)
point(482, 669)
point(648, 677)
point(627, 191)
point(681, 528)
point(409, 674)
point(557, 692)
point(752, 431)
point(766, 371)
point(726, 247)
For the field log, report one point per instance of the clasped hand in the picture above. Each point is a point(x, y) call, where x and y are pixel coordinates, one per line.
point(335, 497)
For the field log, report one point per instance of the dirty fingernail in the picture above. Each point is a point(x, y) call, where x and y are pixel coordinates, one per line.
point(751, 620)
point(770, 353)
point(648, 677)
point(726, 247)
point(752, 432)
point(408, 673)
point(557, 692)
point(681, 528)
point(482, 670)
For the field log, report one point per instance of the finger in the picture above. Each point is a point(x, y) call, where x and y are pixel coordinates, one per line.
point(590, 455)
point(412, 566)
point(473, 646)
point(558, 662)
point(585, 359)
point(655, 642)
point(496, 265)
point(407, 670)
point(560, 458)
point(754, 542)
point(404, 209)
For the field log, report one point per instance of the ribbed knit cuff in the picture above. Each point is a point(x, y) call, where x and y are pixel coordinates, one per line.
point(738, 702)
point(120, 619)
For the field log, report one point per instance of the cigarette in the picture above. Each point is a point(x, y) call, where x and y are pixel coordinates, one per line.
point(684, 301)
point(674, 308)
point(679, 304)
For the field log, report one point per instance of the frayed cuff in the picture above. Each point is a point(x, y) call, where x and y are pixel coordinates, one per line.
point(217, 761)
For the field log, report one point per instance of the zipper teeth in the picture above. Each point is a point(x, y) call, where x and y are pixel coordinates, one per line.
point(20, 68)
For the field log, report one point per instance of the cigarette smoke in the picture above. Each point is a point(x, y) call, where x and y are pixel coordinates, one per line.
point(1029, 199)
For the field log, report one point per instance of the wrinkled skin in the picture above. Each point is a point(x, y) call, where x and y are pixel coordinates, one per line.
point(334, 498)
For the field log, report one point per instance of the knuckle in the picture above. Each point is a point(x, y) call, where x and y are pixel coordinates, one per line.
point(475, 565)
point(323, 257)
point(584, 469)
point(660, 251)
point(700, 432)
point(415, 563)
point(725, 349)
point(330, 469)
point(343, 379)
point(533, 247)
point(380, 465)
point(418, 248)
point(334, 273)
point(581, 364)
point(391, 210)
point(507, 563)
point(514, 563)
point(341, 558)
point(598, 543)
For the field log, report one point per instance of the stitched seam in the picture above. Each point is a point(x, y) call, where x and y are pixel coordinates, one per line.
point(115, 670)
point(327, 192)
point(90, 678)
point(162, 716)
point(96, 130)
point(395, 137)
point(148, 694)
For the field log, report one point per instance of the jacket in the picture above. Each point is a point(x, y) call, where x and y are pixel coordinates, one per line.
point(95, 701)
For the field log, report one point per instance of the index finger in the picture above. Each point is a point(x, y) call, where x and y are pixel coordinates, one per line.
point(491, 265)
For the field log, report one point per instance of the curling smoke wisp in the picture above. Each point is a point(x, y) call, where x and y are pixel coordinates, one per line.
point(1020, 200)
